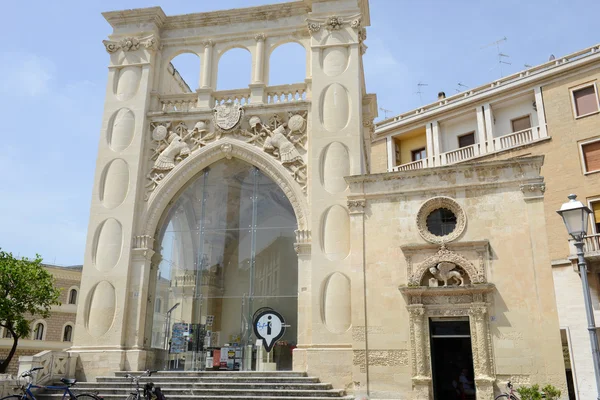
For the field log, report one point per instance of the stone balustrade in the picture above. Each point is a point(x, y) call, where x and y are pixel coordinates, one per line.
point(286, 93)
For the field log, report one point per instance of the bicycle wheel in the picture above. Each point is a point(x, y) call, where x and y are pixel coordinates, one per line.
point(14, 397)
point(87, 396)
point(132, 396)
point(505, 397)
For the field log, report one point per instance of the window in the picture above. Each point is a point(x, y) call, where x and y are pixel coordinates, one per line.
point(466, 140)
point(418, 154)
point(590, 153)
point(585, 100)
point(73, 296)
point(397, 152)
point(38, 332)
point(68, 333)
point(441, 222)
point(595, 206)
point(521, 123)
point(158, 305)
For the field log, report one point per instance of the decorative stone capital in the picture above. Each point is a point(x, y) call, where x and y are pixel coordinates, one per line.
point(357, 206)
point(208, 43)
point(533, 190)
point(416, 311)
point(132, 44)
point(303, 242)
point(478, 311)
point(143, 242)
point(334, 23)
point(260, 37)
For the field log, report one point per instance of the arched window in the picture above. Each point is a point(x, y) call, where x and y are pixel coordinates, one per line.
point(158, 305)
point(73, 296)
point(287, 64)
point(68, 333)
point(183, 74)
point(38, 331)
point(235, 69)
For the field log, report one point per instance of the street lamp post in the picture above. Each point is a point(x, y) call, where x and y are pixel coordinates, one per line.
point(575, 216)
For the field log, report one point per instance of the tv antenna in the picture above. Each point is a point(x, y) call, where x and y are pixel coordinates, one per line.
point(419, 92)
point(501, 56)
point(385, 112)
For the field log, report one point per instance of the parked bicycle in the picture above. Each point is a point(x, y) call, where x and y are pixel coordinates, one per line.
point(511, 394)
point(148, 392)
point(67, 393)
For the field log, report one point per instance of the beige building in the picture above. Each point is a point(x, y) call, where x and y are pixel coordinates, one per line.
point(549, 110)
point(395, 264)
point(55, 332)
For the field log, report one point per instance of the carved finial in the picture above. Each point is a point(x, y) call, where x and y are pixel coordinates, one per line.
point(260, 37)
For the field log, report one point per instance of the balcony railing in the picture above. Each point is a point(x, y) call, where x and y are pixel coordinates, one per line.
point(591, 243)
point(240, 96)
point(178, 102)
point(286, 93)
point(497, 144)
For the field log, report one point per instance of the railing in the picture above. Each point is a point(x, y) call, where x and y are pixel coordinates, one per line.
point(285, 93)
point(178, 102)
point(419, 164)
point(458, 155)
point(591, 243)
point(239, 96)
point(514, 139)
point(589, 51)
point(55, 364)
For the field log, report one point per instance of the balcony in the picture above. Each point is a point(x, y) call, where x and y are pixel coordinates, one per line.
point(497, 144)
point(591, 247)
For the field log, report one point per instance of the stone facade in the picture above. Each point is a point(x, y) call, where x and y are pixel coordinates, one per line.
point(371, 271)
point(66, 279)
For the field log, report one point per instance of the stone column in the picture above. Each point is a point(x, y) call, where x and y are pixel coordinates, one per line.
point(437, 148)
point(303, 249)
point(429, 149)
point(205, 90)
point(539, 104)
point(421, 372)
point(480, 346)
point(257, 87)
point(391, 153)
point(489, 127)
point(481, 137)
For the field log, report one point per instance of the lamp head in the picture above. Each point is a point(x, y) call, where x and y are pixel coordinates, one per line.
point(575, 216)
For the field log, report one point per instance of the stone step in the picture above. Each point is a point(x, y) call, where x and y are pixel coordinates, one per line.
point(256, 393)
point(47, 396)
point(215, 379)
point(204, 385)
point(217, 373)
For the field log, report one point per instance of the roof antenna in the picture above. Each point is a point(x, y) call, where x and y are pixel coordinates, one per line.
point(501, 56)
point(385, 112)
point(419, 92)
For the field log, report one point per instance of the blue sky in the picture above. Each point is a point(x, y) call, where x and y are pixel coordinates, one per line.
point(53, 70)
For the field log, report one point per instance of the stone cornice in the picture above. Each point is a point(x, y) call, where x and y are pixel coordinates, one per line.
point(237, 16)
point(446, 290)
point(154, 15)
point(416, 248)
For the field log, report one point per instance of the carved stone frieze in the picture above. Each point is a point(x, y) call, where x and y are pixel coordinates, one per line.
point(132, 44)
point(475, 273)
point(533, 190)
point(334, 23)
point(173, 141)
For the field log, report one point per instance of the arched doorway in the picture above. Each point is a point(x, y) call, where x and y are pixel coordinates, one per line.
point(227, 248)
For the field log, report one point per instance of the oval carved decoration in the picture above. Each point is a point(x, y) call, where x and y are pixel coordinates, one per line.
point(128, 82)
point(114, 184)
point(337, 312)
point(335, 165)
point(335, 108)
point(108, 245)
point(335, 234)
point(120, 130)
point(102, 309)
point(335, 60)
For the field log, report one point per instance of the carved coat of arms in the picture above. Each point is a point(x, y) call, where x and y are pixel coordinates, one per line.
point(227, 116)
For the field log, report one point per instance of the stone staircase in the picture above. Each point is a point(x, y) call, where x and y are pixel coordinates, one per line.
point(214, 385)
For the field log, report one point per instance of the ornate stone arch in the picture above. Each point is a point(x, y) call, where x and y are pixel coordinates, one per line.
point(475, 274)
point(160, 199)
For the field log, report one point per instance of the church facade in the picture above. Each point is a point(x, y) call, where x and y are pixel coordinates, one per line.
point(210, 207)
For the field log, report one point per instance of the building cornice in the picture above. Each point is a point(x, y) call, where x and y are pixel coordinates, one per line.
point(154, 15)
point(509, 83)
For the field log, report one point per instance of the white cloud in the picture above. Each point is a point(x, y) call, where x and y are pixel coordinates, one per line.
point(25, 74)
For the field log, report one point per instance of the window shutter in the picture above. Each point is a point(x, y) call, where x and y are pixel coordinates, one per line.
point(585, 100)
point(520, 124)
point(591, 155)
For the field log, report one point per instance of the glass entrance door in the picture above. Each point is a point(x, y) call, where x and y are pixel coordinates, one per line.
point(227, 249)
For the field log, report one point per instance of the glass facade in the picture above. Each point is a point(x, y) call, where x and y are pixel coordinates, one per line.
point(227, 251)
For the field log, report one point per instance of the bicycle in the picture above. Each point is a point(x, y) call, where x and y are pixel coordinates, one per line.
point(511, 395)
point(149, 392)
point(28, 394)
